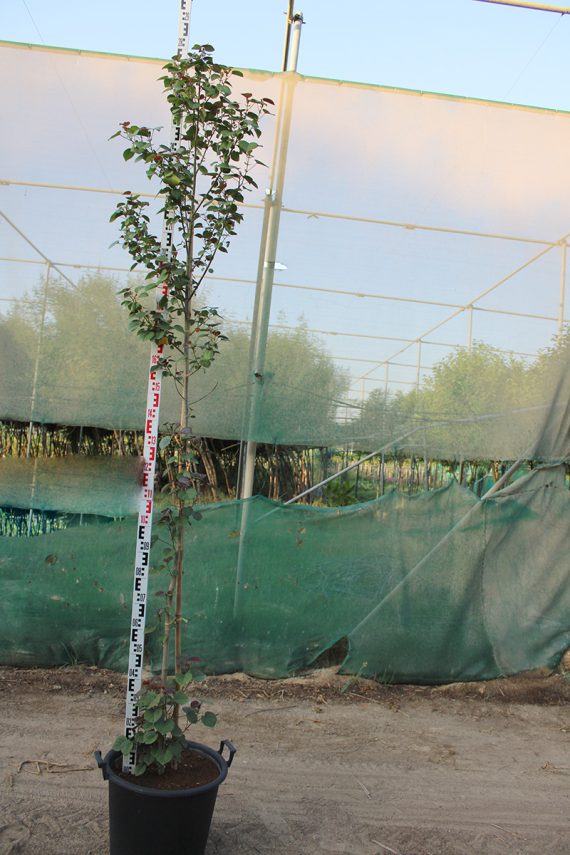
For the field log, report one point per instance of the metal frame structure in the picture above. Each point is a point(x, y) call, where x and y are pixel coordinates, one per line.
point(537, 7)
point(266, 278)
point(273, 207)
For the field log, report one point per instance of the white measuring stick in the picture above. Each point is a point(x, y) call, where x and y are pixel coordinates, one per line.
point(144, 527)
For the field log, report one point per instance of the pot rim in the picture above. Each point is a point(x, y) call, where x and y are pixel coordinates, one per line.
point(109, 773)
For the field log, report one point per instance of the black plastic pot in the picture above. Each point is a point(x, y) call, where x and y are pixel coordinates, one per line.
point(147, 821)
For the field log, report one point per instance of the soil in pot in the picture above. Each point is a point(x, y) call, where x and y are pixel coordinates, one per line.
point(194, 770)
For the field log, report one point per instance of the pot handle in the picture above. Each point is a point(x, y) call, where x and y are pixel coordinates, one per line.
point(225, 743)
point(102, 765)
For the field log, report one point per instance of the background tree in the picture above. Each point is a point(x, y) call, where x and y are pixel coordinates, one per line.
point(18, 347)
point(469, 407)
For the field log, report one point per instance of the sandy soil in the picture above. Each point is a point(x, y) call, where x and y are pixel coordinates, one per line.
point(325, 764)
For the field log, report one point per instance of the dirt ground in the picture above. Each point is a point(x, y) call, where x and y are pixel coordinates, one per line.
point(325, 764)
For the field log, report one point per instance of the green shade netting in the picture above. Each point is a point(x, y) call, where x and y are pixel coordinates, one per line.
point(105, 486)
point(417, 308)
point(492, 599)
point(417, 235)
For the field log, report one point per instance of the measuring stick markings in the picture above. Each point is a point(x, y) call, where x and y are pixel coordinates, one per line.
point(146, 503)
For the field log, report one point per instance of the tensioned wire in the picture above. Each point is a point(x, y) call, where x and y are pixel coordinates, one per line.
point(408, 342)
point(304, 212)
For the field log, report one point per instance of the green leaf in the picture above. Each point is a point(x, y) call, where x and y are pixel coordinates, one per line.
point(128, 153)
point(164, 442)
point(171, 179)
point(177, 747)
point(122, 744)
point(152, 716)
point(184, 680)
point(149, 737)
point(164, 727)
point(209, 719)
point(179, 698)
point(191, 715)
point(187, 494)
point(149, 700)
point(140, 768)
point(247, 147)
point(164, 756)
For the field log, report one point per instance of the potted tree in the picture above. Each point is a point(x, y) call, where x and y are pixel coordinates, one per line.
point(165, 799)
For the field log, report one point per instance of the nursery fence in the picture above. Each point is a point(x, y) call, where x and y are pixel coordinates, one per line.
point(422, 250)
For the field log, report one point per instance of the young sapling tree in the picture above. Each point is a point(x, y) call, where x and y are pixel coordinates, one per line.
point(203, 175)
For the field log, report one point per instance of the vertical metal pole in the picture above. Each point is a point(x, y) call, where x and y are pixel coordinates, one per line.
point(562, 296)
point(386, 373)
point(266, 267)
point(34, 393)
point(470, 329)
point(356, 483)
point(79, 444)
point(419, 365)
point(264, 286)
point(293, 58)
point(248, 449)
point(37, 359)
point(287, 35)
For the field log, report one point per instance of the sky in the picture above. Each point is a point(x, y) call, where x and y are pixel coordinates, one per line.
point(462, 47)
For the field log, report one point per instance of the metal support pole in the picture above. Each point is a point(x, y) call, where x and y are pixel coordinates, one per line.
point(34, 393)
point(38, 356)
point(287, 35)
point(562, 296)
point(39, 252)
point(356, 483)
point(419, 365)
point(267, 257)
point(537, 7)
point(264, 286)
point(79, 444)
point(293, 58)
